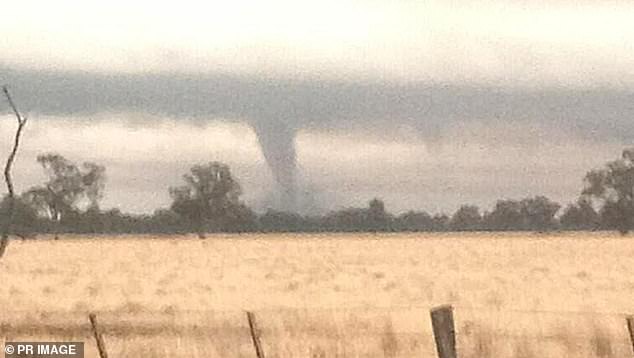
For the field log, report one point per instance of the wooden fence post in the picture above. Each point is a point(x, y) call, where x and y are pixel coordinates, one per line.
point(255, 334)
point(444, 331)
point(101, 347)
point(630, 329)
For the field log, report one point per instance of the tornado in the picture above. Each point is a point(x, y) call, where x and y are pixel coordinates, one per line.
point(277, 141)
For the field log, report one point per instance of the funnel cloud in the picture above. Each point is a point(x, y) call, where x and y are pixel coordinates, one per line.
point(277, 140)
point(277, 108)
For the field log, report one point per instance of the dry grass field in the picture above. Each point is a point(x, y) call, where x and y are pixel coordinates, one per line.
point(515, 295)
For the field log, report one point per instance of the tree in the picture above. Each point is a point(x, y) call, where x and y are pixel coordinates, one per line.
point(440, 222)
point(507, 215)
point(165, 221)
point(467, 218)
point(239, 219)
point(615, 217)
point(6, 229)
point(539, 213)
point(414, 221)
point(210, 196)
point(536, 213)
point(68, 187)
point(373, 218)
point(613, 187)
point(24, 218)
point(346, 220)
point(280, 221)
point(377, 218)
point(580, 216)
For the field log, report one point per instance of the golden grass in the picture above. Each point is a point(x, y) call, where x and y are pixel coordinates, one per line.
point(516, 295)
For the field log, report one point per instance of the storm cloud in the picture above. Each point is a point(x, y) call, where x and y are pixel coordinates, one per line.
point(278, 109)
point(342, 100)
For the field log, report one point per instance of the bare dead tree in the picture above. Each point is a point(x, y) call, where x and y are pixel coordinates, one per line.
point(6, 230)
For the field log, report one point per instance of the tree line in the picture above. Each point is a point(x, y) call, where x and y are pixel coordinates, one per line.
point(209, 201)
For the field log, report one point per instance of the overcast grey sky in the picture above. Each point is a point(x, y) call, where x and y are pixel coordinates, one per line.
point(427, 104)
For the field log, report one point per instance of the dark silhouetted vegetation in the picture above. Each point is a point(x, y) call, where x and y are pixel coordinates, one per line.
point(209, 201)
point(67, 188)
point(9, 204)
point(613, 187)
point(580, 216)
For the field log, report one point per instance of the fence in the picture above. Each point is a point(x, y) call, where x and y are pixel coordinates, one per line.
point(441, 322)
